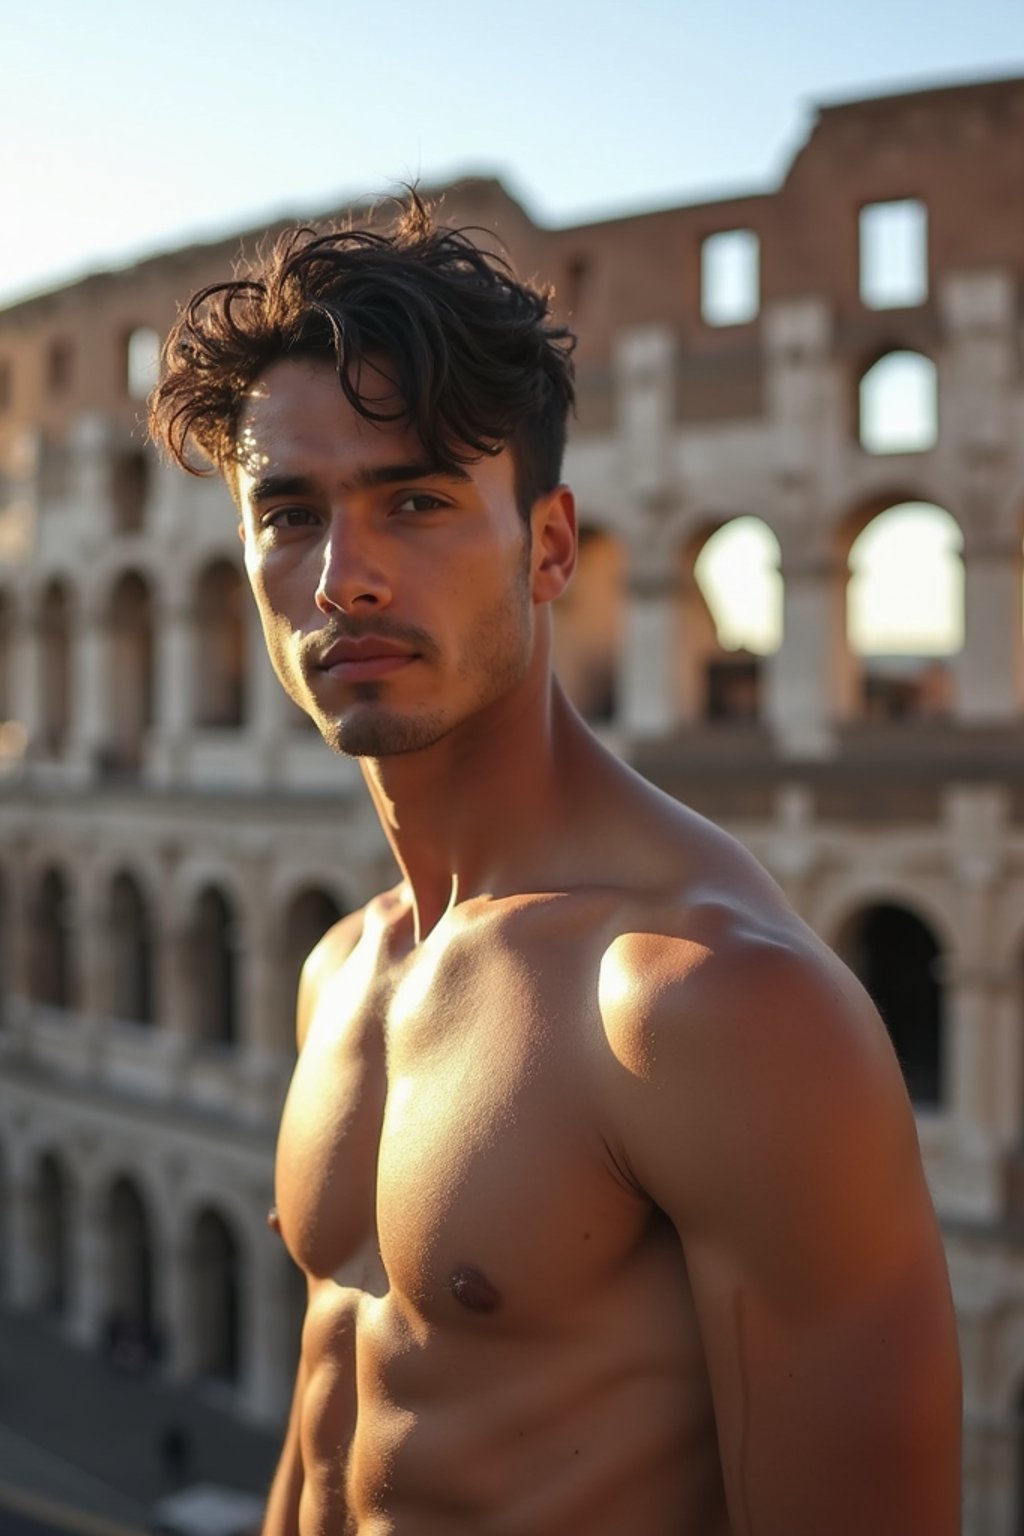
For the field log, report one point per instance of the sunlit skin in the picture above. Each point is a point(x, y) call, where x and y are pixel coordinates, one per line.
point(598, 1165)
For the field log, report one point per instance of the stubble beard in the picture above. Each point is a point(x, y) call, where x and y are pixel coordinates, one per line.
point(495, 658)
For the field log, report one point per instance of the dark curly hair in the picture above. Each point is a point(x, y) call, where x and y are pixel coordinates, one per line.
point(475, 359)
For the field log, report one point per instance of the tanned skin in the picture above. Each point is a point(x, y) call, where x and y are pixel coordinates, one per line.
point(598, 1163)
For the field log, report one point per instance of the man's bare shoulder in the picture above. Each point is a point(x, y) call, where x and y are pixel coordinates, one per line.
point(745, 1042)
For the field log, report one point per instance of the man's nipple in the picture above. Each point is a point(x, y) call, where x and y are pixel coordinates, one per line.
point(474, 1290)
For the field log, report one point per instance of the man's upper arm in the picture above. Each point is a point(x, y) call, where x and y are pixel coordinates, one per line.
point(766, 1115)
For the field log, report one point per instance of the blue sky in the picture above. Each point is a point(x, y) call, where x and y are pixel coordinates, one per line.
point(130, 128)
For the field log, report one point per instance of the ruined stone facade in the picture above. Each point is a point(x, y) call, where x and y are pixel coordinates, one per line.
point(173, 837)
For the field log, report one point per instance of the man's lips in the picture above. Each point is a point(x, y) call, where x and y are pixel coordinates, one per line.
point(361, 660)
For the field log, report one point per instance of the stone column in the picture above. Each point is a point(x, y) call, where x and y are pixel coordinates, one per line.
point(25, 1273)
point(811, 678)
point(1007, 1065)
point(89, 666)
point(182, 1342)
point(262, 1064)
point(17, 1000)
point(990, 669)
point(268, 1360)
point(27, 671)
point(174, 690)
point(267, 709)
point(648, 685)
point(89, 1272)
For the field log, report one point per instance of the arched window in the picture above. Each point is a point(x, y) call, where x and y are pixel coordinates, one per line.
point(141, 361)
point(905, 610)
point(131, 952)
point(216, 1298)
point(130, 699)
point(55, 639)
point(899, 404)
point(129, 490)
point(216, 969)
point(131, 1321)
point(310, 914)
point(589, 623)
point(53, 1235)
point(220, 647)
point(52, 971)
point(737, 573)
point(898, 959)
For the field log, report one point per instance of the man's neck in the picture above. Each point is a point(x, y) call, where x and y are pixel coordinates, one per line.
point(473, 814)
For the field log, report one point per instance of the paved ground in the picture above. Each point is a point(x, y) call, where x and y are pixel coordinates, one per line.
point(78, 1439)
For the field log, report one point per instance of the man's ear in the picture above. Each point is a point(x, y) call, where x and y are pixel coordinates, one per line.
point(553, 523)
point(241, 530)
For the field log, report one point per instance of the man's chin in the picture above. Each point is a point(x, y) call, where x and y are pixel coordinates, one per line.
point(381, 733)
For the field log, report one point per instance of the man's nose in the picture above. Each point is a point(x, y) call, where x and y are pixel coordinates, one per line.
point(351, 577)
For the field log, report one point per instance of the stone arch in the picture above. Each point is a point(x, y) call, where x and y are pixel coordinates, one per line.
point(53, 940)
point(901, 641)
point(55, 627)
point(215, 966)
point(54, 1202)
point(900, 960)
point(308, 916)
point(221, 651)
point(132, 950)
point(130, 675)
point(898, 403)
point(214, 1283)
point(589, 622)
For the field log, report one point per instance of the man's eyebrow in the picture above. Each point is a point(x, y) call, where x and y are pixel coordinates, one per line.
point(269, 487)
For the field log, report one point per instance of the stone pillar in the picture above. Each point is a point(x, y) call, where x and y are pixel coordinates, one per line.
point(990, 669)
point(648, 688)
point(268, 1362)
point(267, 708)
point(174, 690)
point(27, 670)
point(975, 819)
point(27, 1261)
point(89, 666)
point(812, 677)
point(262, 1064)
point(644, 366)
point(174, 999)
point(91, 440)
point(1007, 1065)
point(89, 1273)
point(183, 1348)
point(17, 999)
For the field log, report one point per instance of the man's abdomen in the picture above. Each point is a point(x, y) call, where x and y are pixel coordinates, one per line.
point(596, 1421)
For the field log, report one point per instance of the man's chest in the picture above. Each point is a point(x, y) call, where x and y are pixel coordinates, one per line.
point(442, 1137)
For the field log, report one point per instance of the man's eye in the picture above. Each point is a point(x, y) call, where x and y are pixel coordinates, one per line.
point(289, 517)
point(419, 501)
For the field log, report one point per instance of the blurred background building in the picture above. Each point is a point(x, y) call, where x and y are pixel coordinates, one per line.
point(799, 459)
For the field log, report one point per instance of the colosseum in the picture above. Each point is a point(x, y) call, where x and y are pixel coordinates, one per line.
point(829, 375)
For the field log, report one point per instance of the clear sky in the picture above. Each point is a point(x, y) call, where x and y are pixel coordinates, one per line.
point(129, 127)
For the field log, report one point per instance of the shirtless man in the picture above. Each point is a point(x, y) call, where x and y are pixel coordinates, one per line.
point(598, 1163)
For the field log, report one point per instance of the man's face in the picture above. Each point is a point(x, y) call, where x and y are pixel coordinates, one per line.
point(394, 594)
